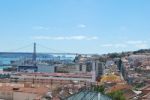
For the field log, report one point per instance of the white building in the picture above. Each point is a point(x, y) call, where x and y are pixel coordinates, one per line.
point(97, 69)
point(46, 68)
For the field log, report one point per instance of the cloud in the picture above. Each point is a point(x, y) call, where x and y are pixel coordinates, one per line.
point(118, 45)
point(81, 26)
point(142, 46)
point(77, 37)
point(138, 44)
point(135, 42)
point(107, 45)
point(40, 28)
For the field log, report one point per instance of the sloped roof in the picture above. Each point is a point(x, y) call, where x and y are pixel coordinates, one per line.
point(87, 95)
point(119, 87)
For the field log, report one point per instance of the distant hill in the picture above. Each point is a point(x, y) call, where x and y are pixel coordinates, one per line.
point(122, 54)
point(142, 51)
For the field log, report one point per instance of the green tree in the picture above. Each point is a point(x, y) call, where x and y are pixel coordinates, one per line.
point(100, 89)
point(117, 95)
point(114, 55)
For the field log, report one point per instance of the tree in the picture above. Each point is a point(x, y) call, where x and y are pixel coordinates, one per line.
point(116, 95)
point(114, 55)
point(100, 89)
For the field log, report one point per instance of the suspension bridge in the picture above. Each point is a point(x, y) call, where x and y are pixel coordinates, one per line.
point(34, 52)
point(49, 50)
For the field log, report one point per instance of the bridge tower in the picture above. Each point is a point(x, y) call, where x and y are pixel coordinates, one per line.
point(34, 54)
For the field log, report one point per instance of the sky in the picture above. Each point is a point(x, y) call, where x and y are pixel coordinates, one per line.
point(76, 26)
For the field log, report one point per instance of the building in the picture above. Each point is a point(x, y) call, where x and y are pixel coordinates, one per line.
point(87, 95)
point(43, 68)
point(27, 68)
point(49, 77)
point(98, 67)
point(69, 68)
point(46, 68)
point(109, 63)
point(82, 67)
point(20, 92)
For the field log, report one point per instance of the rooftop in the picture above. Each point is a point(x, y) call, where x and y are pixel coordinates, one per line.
point(87, 95)
point(19, 88)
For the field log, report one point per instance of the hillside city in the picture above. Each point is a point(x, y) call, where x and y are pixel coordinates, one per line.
point(74, 50)
point(113, 76)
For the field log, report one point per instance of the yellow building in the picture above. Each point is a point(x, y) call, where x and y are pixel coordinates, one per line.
point(111, 78)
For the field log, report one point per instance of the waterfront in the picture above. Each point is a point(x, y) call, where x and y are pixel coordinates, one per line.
point(8, 58)
point(1, 67)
